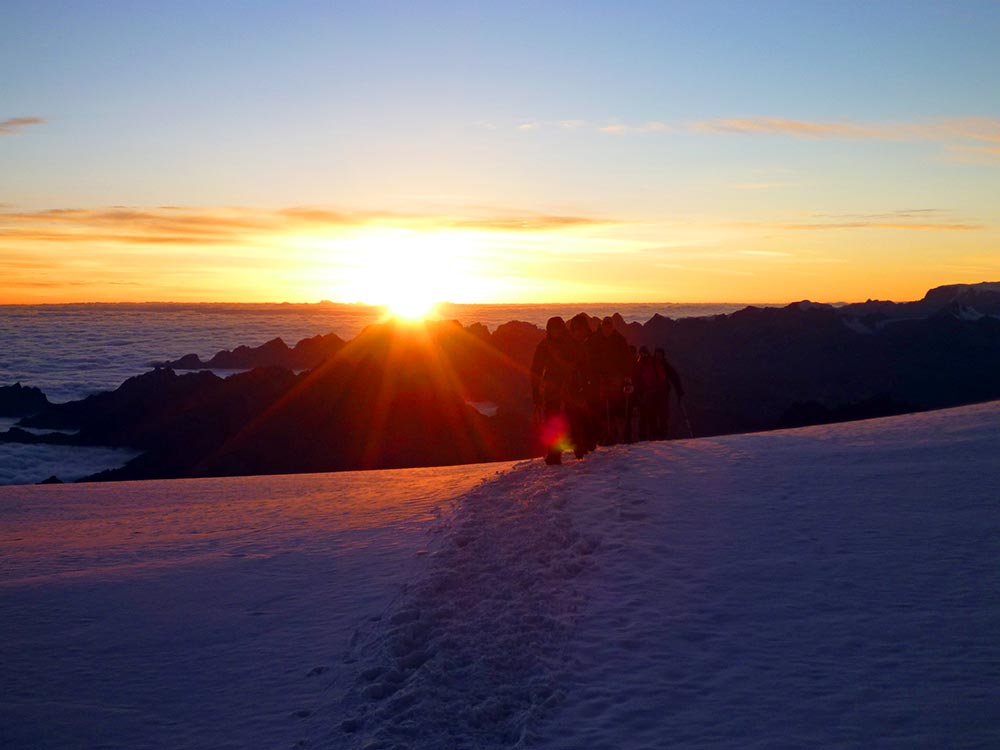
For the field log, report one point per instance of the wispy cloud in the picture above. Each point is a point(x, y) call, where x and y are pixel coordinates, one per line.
point(61, 284)
point(608, 127)
point(225, 226)
point(974, 128)
point(745, 258)
point(621, 128)
point(758, 185)
point(800, 128)
point(961, 136)
point(922, 219)
point(14, 124)
point(911, 226)
point(133, 226)
point(949, 130)
point(526, 223)
point(974, 154)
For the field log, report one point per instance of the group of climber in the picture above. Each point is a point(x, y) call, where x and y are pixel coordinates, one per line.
point(591, 387)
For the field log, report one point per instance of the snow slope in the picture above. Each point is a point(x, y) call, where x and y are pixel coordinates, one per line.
point(196, 613)
point(833, 586)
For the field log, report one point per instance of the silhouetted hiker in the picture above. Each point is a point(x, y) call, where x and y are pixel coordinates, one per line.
point(584, 408)
point(554, 379)
point(655, 377)
point(613, 362)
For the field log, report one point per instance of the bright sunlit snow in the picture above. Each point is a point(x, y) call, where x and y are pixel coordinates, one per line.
point(834, 586)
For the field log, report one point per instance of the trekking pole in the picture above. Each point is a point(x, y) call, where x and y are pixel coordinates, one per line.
point(628, 389)
point(687, 421)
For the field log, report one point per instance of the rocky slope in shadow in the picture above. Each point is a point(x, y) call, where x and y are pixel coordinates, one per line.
point(747, 370)
point(395, 397)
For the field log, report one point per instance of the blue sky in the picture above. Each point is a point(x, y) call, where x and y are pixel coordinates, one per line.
point(665, 120)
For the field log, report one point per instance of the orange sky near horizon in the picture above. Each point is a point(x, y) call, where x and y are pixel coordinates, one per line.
point(310, 254)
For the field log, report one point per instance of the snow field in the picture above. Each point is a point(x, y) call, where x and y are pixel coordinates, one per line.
point(831, 587)
point(197, 613)
point(791, 590)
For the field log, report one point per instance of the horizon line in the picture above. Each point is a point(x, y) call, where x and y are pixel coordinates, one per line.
point(770, 303)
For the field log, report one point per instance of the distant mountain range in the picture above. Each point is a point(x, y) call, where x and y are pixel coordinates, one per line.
point(398, 395)
point(305, 355)
point(761, 368)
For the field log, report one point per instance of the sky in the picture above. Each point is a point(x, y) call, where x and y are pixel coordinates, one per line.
point(497, 152)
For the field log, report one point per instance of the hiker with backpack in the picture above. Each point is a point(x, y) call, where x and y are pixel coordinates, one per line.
point(655, 377)
point(613, 368)
point(584, 423)
point(556, 390)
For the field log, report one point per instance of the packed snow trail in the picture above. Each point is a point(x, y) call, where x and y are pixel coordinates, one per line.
point(829, 587)
point(468, 655)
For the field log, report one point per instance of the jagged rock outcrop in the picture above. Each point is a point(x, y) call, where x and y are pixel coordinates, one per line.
point(395, 398)
point(176, 419)
point(20, 401)
point(305, 355)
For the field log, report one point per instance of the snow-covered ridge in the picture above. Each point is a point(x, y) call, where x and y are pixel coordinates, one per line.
point(834, 586)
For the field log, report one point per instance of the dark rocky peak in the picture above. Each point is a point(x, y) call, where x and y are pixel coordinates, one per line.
point(796, 315)
point(479, 331)
point(633, 332)
point(517, 340)
point(21, 401)
point(161, 379)
point(270, 352)
point(592, 320)
point(306, 354)
point(942, 296)
point(982, 298)
point(871, 312)
point(807, 305)
point(965, 300)
point(140, 394)
point(516, 330)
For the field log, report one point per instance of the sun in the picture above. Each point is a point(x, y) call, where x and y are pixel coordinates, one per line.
point(412, 272)
point(413, 307)
point(409, 272)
